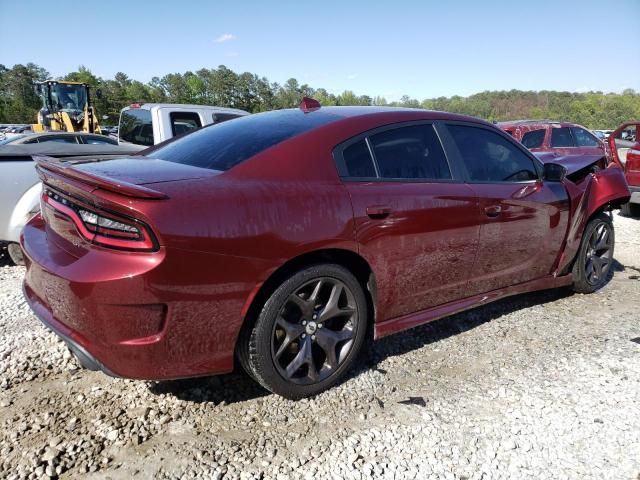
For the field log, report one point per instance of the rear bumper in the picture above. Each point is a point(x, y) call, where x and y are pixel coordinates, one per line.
point(86, 359)
point(635, 194)
point(136, 315)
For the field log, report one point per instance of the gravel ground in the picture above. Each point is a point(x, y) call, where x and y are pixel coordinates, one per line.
point(545, 385)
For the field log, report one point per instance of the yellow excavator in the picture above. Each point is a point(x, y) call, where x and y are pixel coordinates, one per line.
point(66, 106)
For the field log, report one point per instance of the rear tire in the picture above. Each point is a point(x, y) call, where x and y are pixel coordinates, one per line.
point(594, 260)
point(630, 210)
point(15, 253)
point(308, 334)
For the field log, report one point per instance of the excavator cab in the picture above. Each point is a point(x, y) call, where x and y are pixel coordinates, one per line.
point(66, 106)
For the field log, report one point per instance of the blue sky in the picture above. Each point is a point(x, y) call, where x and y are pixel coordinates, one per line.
point(421, 48)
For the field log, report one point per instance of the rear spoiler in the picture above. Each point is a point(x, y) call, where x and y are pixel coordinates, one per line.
point(46, 166)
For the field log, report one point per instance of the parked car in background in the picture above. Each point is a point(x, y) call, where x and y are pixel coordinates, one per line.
point(625, 151)
point(60, 137)
point(20, 192)
point(12, 130)
point(152, 123)
point(285, 238)
point(563, 138)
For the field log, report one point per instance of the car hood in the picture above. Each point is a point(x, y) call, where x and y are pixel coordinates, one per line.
point(572, 163)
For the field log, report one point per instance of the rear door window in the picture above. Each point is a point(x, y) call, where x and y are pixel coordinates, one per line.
point(358, 162)
point(490, 157)
point(410, 153)
point(561, 137)
point(584, 138)
point(135, 126)
point(182, 122)
point(533, 139)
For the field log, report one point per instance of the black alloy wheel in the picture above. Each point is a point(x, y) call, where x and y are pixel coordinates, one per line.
point(592, 268)
point(308, 333)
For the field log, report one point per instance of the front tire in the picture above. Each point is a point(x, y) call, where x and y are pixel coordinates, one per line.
point(595, 256)
point(309, 332)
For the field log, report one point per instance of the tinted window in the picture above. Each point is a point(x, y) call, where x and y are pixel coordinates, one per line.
point(99, 141)
point(65, 139)
point(223, 117)
point(533, 139)
point(561, 137)
point(490, 157)
point(410, 152)
point(182, 122)
point(222, 146)
point(358, 161)
point(135, 126)
point(584, 138)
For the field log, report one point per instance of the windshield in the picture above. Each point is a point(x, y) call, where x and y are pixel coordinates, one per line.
point(11, 139)
point(68, 98)
point(136, 127)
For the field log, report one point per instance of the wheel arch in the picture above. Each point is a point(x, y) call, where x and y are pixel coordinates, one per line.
point(606, 209)
point(348, 259)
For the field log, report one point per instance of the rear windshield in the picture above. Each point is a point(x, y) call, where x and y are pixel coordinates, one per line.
point(224, 145)
point(135, 126)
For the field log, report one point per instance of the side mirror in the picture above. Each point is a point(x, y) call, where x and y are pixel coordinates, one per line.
point(553, 172)
point(98, 93)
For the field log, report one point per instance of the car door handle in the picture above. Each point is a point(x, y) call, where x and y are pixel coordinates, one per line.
point(378, 211)
point(493, 211)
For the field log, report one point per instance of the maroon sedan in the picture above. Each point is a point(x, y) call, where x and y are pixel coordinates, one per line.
point(562, 138)
point(289, 238)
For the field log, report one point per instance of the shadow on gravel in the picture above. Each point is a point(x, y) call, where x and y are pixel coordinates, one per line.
point(5, 260)
point(238, 387)
point(432, 332)
point(231, 388)
point(619, 267)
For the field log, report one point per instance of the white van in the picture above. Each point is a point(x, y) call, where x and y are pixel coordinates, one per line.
point(151, 123)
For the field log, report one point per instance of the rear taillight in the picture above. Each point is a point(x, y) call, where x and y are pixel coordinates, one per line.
point(102, 228)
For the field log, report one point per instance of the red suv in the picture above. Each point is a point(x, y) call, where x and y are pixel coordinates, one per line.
point(562, 138)
point(287, 239)
point(624, 144)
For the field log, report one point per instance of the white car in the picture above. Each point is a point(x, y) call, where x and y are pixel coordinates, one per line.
point(20, 192)
point(151, 123)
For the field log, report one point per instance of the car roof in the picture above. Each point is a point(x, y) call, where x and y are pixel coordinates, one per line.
point(149, 106)
point(536, 123)
point(56, 133)
point(365, 111)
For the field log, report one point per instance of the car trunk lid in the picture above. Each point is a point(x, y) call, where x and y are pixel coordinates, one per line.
point(106, 202)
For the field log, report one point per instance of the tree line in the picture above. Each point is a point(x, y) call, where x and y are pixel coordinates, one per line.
point(247, 91)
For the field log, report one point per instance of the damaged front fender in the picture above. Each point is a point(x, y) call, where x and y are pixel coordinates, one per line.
point(597, 191)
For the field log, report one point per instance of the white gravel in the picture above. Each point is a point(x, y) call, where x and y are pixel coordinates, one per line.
point(545, 385)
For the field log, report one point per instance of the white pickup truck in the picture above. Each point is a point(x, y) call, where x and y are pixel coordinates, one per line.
point(151, 123)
